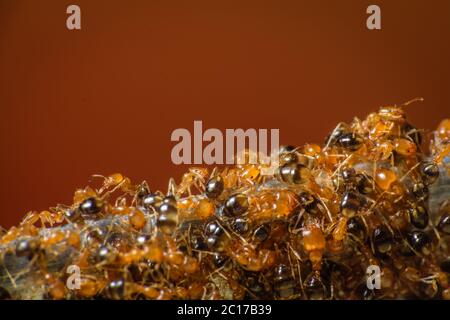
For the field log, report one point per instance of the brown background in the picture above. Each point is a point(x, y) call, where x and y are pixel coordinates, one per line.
point(106, 98)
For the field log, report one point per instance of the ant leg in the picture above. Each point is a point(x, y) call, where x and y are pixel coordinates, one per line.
point(99, 191)
point(172, 188)
point(109, 192)
point(200, 182)
point(118, 186)
point(49, 219)
point(189, 191)
point(199, 186)
point(214, 172)
point(98, 176)
point(30, 219)
point(43, 220)
point(121, 200)
point(339, 125)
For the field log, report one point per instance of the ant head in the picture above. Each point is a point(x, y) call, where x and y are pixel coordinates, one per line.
point(396, 113)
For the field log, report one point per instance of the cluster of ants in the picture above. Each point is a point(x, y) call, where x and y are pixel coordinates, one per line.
point(309, 231)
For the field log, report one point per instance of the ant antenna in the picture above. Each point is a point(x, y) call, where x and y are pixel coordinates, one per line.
point(416, 99)
point(96, 176)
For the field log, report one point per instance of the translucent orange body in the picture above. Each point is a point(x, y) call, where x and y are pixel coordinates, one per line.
point(443, 130)
point(314, 243)
point(384, 178)
point(204, 209)
point(250, 258)
point(137, 219)
point(82, 194)
point(405, 147)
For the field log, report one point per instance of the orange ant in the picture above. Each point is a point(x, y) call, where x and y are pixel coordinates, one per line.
point(115, 181)
point(44, 217)
point(195, 177)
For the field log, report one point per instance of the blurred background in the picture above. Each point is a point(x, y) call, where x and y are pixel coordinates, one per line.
point(106, 98)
